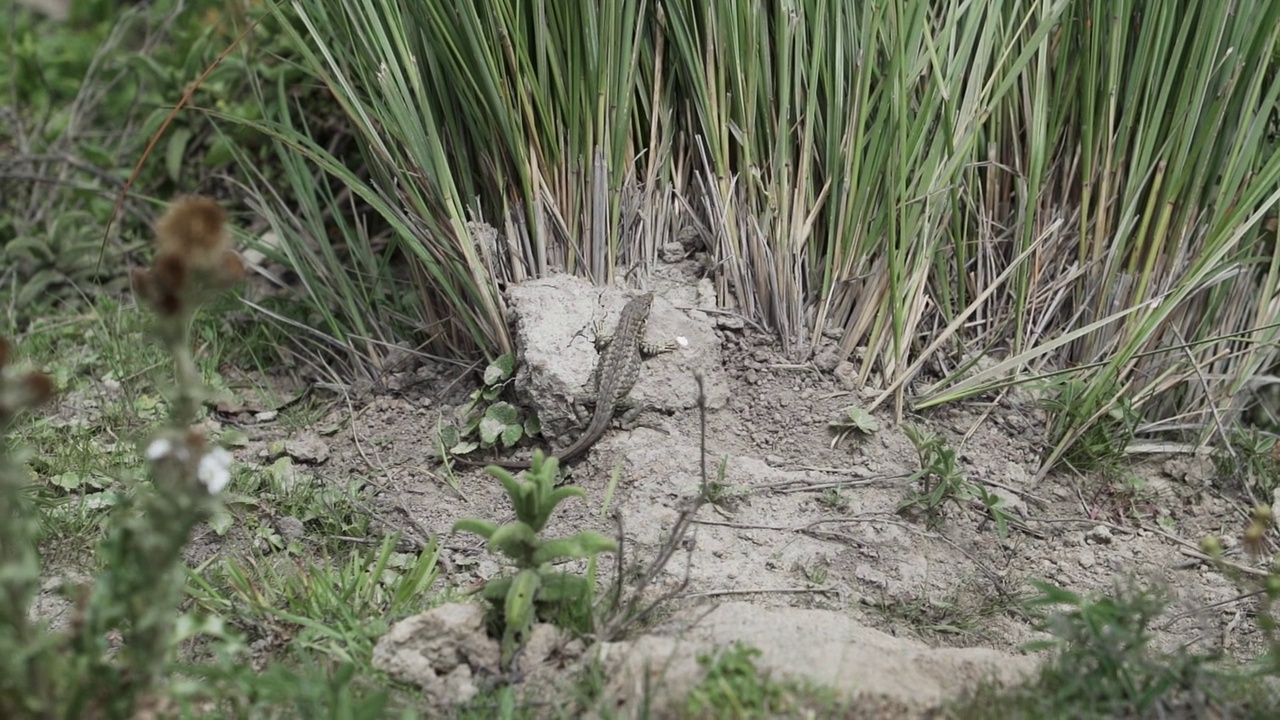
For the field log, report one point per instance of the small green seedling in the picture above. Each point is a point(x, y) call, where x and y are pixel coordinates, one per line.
point(943, 481)
point(855, 419)
point(535, 591)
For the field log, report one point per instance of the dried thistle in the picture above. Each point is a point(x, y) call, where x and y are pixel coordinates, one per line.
point(22, 391)
point(193, 258)
point(194, 228)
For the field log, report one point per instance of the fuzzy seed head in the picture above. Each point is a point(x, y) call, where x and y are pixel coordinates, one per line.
point(194, 228)
point(1211, 546)
point(1255, 538)
point(1262, 515)
point(193, 258)
point(38, 386)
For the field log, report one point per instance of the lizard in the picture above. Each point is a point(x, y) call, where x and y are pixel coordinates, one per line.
point(615, 374)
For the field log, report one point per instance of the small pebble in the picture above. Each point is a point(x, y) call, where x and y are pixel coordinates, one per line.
point(1099, 535)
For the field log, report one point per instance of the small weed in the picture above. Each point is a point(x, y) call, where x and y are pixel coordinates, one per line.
point(1102, 666)
point(854, 420)
point(942, 482)
point(835, 498)
point(940, 477)
point(535, 591)
point(1252, 458)
point(734, 688)
point(490, 422)
point(306, 413)
point(931, 617)
point(719, 493)
point(815, 573)
point(1124, 495)
point(283, 489)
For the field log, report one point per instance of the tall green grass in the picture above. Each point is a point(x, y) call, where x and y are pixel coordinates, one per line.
point(1077, 188)
point(1159, 153)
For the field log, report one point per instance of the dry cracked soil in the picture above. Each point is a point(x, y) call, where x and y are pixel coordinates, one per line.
point(805, 555)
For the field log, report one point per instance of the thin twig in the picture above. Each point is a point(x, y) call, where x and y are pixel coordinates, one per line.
point(825, 590)
point(626, 612)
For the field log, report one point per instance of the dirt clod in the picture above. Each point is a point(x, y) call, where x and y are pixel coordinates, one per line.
point(818, 646)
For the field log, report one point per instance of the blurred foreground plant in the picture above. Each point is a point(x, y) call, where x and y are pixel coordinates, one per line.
point(110, 659)
point(1265, 587)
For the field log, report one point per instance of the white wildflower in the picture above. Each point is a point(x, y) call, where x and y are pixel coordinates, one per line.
point(215, 470)
point(159, 448)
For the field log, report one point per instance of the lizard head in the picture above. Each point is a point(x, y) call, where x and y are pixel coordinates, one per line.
point(639, 304)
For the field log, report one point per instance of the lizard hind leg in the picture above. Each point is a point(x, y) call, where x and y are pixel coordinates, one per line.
point(582, 410)
point(630, 417)
point(629, 413)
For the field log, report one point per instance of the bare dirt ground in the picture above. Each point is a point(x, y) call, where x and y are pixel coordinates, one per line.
point(808, 533)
